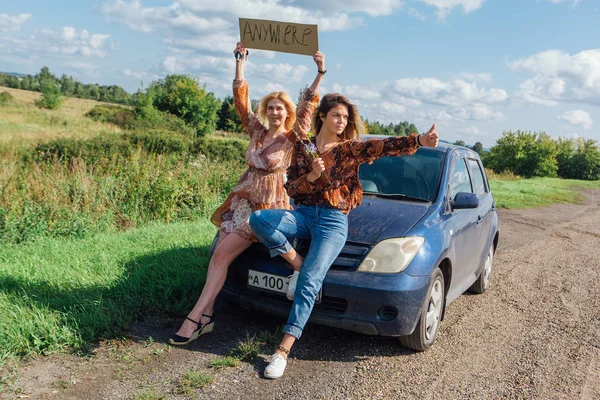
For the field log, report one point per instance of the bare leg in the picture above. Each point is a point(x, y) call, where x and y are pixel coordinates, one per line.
point(294, 259)
point(227, 250)
point(287, 342)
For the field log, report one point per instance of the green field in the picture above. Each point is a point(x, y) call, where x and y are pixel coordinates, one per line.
point(537, 192)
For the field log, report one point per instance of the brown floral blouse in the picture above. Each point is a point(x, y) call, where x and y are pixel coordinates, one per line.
point(343, 191)
point(261, 185)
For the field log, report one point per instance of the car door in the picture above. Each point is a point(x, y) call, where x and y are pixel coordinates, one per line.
point(485, 209)
point(465, 240)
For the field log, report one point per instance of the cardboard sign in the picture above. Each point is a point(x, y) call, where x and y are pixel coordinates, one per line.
point(286, 37)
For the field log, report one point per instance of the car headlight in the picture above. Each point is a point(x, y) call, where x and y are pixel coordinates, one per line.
point(392, 255)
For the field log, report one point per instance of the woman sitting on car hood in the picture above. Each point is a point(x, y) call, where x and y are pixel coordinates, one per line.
point(325, 188)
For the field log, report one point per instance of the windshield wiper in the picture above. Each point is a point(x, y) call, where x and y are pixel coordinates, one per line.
point(397, 196)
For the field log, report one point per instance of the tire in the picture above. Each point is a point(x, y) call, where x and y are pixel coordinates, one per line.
point(483, 281)
point(432, 309)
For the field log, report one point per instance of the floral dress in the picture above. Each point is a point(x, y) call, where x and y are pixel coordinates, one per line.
point(261, 185)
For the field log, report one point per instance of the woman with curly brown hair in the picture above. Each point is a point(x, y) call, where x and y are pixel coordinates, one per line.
point(325, 187)
point(272, 136)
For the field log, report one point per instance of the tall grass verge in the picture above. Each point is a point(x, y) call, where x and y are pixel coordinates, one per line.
point(77, 198)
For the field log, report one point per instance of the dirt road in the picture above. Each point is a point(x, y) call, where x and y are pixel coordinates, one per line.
point(534, 334)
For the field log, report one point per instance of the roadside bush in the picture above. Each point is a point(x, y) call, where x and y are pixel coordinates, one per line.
point(225, 150)
point(120, 116)
point(51, 97)
point(90, 150)
point(160, 141)
point(76, 198)
point(6, 97)
point(523, 153)
point(182, 96)
point(163, 121)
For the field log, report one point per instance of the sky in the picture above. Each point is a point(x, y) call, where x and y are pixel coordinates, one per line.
point(474, 67)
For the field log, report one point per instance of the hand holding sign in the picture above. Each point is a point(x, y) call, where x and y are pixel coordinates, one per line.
point(319, 60)
point(240, 52)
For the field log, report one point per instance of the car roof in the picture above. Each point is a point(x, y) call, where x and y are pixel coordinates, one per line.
point(442, 147)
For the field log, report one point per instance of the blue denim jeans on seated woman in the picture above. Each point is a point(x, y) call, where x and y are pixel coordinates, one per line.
point(326, 227)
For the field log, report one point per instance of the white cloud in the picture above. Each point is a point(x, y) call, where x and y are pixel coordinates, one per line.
point(324, 14)
point(416, 14)
point(269, 88)
point(456, 92)
point(140, 75)
point(574, 2)
point(149, 19)
point(472, 130)
point(559, 76)
point(476, 112)
point(86, 68)
point(12, 22)
point(444, 7)
point(392, 108)
point(356, 92)
point(277, 72)
point(218, 67)
point(578, 117)
point(479, 76)
point(68, 41)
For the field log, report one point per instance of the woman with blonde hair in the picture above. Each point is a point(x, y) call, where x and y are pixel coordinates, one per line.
point(272, 136)
point(325, 188)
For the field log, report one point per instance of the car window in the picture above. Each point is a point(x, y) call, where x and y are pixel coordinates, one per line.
point(460, 181)
point(417, 175)
point(477, 177)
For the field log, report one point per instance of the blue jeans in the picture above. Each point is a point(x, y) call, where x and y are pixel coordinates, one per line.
point(326, 227)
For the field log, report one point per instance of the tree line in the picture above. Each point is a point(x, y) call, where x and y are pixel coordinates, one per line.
point(524, 153)
point(67, 86)
point(537, 154)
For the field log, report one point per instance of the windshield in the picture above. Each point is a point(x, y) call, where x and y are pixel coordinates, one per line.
point(415, 176)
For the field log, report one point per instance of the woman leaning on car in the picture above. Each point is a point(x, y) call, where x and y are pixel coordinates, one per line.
point(325, 189)
point(272, 137)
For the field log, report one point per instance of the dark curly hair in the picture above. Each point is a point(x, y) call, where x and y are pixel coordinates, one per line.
point(354, 127)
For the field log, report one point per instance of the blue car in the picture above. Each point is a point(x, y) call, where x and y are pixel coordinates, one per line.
point(425, 233)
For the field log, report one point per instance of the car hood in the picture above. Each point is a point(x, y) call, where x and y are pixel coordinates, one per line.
point(377, 219)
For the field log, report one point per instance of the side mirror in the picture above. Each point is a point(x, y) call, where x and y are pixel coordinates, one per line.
point(464, 200)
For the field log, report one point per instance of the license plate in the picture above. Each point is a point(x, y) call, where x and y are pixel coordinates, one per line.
point(271, 283)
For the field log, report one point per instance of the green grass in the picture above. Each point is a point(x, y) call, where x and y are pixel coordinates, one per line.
point(224, 362)
point(194, 379)
point(537, 192)
point(59, 294)
point(246, 350)
point(148, 395)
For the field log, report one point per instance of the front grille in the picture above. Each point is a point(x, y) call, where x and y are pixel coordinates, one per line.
point(328, 304)
point(332, 305)
point(349, 258)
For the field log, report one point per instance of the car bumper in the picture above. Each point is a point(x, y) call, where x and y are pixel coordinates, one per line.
point(372, 304)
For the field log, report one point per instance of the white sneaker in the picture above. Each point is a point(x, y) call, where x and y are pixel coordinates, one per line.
point(276, 367)
point(292, 285)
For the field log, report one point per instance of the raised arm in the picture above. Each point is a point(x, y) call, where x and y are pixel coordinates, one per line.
point(310, 99)
point(369, 150)
point(240, 87)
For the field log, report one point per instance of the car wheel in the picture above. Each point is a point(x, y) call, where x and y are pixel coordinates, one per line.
point(482, 283)
point(427, 328)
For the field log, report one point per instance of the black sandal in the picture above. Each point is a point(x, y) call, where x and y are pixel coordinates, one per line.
point(177, 340)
